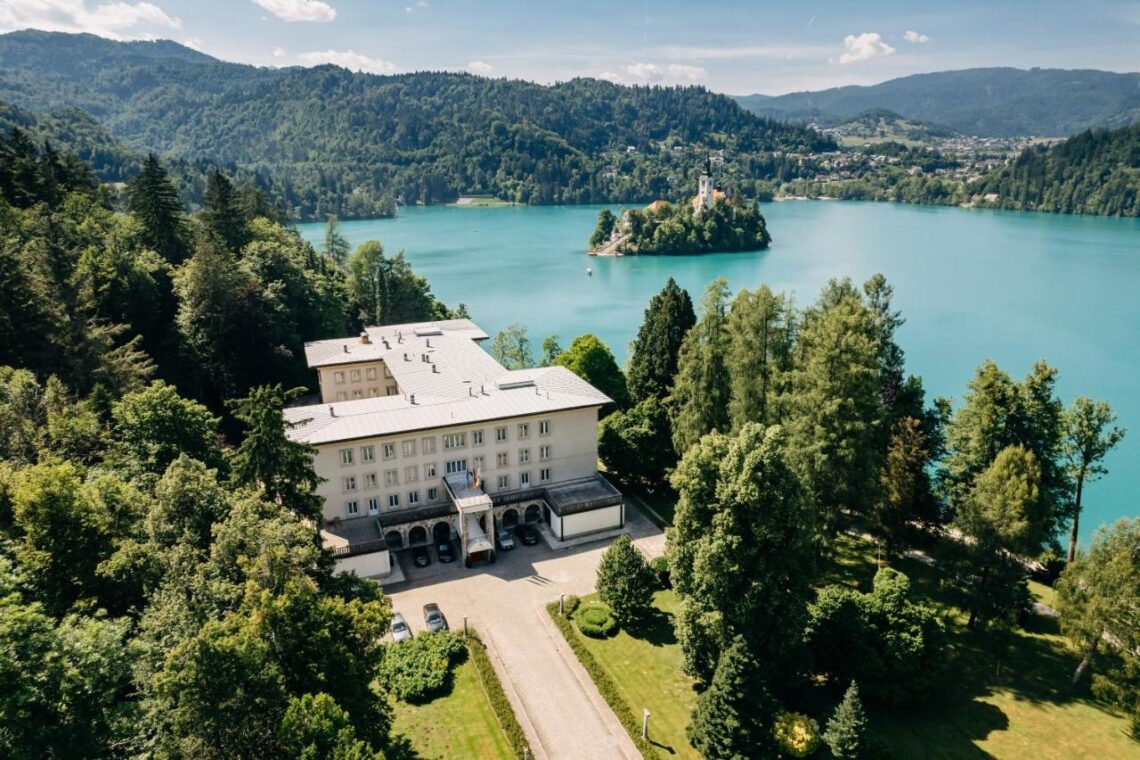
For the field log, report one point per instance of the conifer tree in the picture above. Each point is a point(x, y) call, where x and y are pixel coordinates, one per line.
point(336, 245)
point(733, 718)
point(152, 199)
point(625, 581)
point(846, 732)
point(653, 356)
point(701, 386)
point(222, 213)
point(760, 327)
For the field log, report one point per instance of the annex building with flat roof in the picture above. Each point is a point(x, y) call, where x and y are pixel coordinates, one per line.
point(422, 438)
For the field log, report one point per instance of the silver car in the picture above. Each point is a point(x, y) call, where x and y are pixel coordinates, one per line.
point(400, 629)
point(433, 618)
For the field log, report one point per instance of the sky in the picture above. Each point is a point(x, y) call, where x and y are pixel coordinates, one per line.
point(734, 47)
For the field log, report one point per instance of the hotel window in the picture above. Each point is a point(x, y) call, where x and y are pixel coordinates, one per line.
point(524, 479)
point(544, 453)
point(393, 500)
point(433, 494)
point(544, 475)
point(410, 448)
point(339, 378)
point(389, 451)
point(500, 434)
point(544, 427)
point(524, 430)
point(454, 440)
point(345, 457)
point(411, 474)
point(413, 497)
point(504, 481)
point(501, 459)
point(341, 396)
point(429, 471)
point(524, 456)
point(373, 392)
point(369, 480)
point(391, 477)
point(373, 506)
point(477, 463)
point(350, 483)
point(391, 390)
point(428, 446)
point(352, 508)
point(370, 373)
point(387, 372)
point(357, 394)
point(367, 453)
point(456, 465)
point(355, 375)
point(476, 437)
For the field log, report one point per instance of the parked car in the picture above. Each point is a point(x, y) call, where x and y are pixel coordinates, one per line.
point(446, 552)
point(505, 540)
point(420, 556)
point(434, 618)
point(400, 629)
point(528, 534)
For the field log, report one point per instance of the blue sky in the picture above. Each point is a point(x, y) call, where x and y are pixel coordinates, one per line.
point(735, 47)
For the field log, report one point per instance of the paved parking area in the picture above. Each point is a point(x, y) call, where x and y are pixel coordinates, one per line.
point(556, 701)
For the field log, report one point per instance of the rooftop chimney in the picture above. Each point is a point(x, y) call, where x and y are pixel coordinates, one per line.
point(332, 411)
point(364, 338)
point(412, 398)
point(428, 342)
point(346, 348)
point(435, 369)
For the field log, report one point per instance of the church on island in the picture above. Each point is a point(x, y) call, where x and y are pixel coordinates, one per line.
point(421, 437)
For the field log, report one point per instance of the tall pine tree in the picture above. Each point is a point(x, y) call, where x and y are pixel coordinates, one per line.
point(222, 214)
point(152, 199)
point(846, 732)
point(701, 386)
point(733, 718)
point(761, 329)
point(653, 358)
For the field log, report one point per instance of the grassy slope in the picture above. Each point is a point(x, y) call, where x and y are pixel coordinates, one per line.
point(1006, 698)
point(460, 724)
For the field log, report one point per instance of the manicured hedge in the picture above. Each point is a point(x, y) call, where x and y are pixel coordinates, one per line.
point(497, 697)
point(606, 686)
point(596, 620)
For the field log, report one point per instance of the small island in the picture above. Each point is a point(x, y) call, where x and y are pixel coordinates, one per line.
point(710, 221)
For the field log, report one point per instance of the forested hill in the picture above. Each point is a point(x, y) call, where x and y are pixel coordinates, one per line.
point(990, 102)
point(426, 136)
point(1096, 172)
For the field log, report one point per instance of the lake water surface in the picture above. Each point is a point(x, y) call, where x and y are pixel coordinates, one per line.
point(972, 285)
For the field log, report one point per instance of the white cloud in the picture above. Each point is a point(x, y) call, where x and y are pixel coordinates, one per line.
point(194, 43)
point(651, 72)
point(349, 59)
point(864, 47)
point(278, 52)
point(646, 71)
point(117, 20)
point(420, 4)
point(610, 76)
point(298, 10)
point(683, 71)
point(480, 67)
point(916, 37)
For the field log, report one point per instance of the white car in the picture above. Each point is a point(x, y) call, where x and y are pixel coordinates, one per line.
point(400, 629)
point(505, 539)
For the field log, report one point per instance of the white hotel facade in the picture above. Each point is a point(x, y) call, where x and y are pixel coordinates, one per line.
point(421, 437)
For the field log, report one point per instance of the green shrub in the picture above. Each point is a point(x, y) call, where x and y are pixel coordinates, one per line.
point(660, 568)
point(497, 697)
point(596, 620)
point(796, 734)
point(416, 671)
point(570, 604)
point(606, 686)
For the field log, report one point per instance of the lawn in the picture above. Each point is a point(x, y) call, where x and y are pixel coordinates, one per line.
point(1006, 697)
point(460, 724)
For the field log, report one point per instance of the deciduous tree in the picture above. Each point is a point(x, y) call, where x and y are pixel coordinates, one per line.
point(761, 332)
point(511, 347)
point(1089, 435)
point(592, 360)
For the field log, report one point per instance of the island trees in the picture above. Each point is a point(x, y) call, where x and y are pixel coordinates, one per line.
point(670, 228)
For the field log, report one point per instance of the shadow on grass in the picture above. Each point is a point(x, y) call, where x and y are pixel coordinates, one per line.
point(668, 748)
point(655, 628)
point(400, 748)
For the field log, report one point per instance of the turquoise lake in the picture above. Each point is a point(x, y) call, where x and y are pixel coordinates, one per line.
point(1013, 287)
